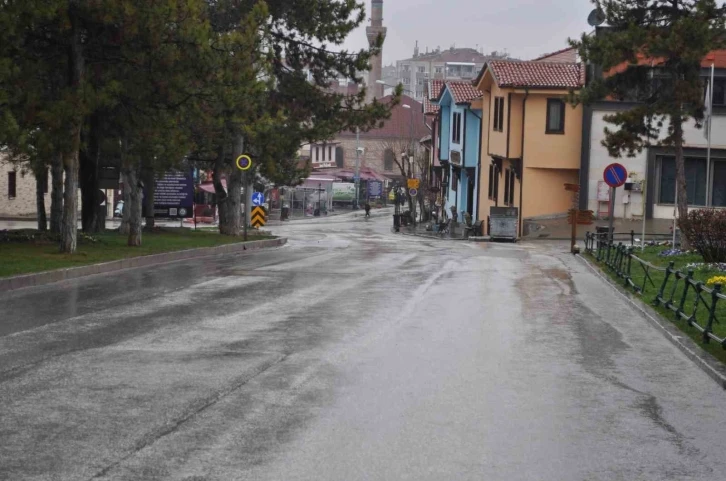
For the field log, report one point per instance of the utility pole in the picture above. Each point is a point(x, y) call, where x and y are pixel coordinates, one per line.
point(357, 167)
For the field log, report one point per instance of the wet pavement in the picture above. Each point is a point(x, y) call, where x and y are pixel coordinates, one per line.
point(350, 354)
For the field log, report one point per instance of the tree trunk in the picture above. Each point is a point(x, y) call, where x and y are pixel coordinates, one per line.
point(41, 181)
point(682, 201)
point(91, 219)
point(149, 180)
point(219, 191)
point(134, 206)
point(233, 200)
point(69, 225)
point(125, 212)
point(76, 66)
point(56, 193)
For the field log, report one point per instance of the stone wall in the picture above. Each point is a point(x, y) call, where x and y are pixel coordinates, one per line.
point(23, 204)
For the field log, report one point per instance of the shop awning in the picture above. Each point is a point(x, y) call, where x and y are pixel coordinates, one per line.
point(209, 186)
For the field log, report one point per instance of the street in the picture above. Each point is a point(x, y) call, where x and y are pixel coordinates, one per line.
point(350, 354)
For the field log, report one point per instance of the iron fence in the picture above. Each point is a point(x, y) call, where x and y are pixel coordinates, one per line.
point(672, 292)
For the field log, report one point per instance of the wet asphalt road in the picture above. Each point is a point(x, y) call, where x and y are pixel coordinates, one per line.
point(350, 354)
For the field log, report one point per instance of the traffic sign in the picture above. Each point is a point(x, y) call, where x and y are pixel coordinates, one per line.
point(257, 217)
point(258, 198)
point(413, 192)
point(244, 162)
point(413, 183)
point(615, 175)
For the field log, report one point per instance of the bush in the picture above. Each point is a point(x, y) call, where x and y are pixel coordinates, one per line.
point(705, 230)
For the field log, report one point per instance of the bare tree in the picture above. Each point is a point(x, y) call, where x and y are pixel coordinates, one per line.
point(399, 150)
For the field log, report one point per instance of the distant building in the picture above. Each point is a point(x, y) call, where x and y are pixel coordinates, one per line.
point(454, 64)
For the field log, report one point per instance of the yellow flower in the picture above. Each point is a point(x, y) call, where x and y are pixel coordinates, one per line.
point(716, 280)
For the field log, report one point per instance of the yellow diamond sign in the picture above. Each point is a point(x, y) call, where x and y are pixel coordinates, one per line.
point(413, 183)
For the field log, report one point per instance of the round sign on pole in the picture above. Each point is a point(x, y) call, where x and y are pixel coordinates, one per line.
point(615, 175)
point(244, 162)
point(413, 192)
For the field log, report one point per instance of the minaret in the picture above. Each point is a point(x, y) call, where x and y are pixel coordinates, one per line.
point(376, 27)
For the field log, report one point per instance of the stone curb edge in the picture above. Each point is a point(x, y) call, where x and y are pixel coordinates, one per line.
point(708, 364)
point(49, 277)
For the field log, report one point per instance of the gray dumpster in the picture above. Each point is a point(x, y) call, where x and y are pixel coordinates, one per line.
point(503, 223)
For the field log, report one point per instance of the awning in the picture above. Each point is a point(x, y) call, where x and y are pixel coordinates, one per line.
point(209, 186)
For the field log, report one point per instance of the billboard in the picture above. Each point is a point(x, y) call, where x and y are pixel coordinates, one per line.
point(343, 192)
point(174, 196)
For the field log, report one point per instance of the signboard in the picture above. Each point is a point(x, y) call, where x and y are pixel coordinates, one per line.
point(343, 192)
point(258, 198)
point(257, 217)
point(375, 188)
point(413, 183)
point(174, 195)
point(615, 175)
point(412, 192)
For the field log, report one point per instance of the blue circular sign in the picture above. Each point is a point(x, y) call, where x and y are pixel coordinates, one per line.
point(413, 192)
point(615, 175)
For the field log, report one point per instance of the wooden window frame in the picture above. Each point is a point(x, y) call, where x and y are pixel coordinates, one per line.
point(561, 129)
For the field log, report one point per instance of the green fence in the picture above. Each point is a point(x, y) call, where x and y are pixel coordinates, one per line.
point(698, 310)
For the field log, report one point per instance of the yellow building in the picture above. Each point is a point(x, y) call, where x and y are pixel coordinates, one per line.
point(531, 137)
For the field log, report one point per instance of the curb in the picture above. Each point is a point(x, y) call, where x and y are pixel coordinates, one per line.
point(49, 277)
point(707, 363)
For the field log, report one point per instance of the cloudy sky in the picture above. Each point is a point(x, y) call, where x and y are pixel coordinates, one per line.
point(525, 28)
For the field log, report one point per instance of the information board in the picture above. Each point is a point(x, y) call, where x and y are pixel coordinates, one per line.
point(174, 196)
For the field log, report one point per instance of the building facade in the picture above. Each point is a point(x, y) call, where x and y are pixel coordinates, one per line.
point(650, 189)
point(17, 192)
point(454, 64)
point(531, 138)
point(460, 118)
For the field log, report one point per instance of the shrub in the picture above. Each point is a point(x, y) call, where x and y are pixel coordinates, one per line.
point(705, 230)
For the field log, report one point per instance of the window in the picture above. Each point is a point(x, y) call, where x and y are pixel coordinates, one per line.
point(406, 80)
point(454, 182)
point(456, 128)
point(12, 184)
point(496, 184)
point(492, 171)
point(499, 114)
point(695, 180)
point(330, 153)
point(339, 157)
point(420, 81)
point(555, 116)
point(439, 70)
point(421, 69)
point(388, 157)
point(506, 186)
point(317, 153)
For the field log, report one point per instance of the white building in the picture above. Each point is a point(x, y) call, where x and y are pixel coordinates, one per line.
point(652, 171)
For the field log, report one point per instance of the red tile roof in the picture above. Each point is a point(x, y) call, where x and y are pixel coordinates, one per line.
point(463, 92)
point(435, 87)
point(565, 55)
point(431, 92)
point(399, 124)
point(537, 74)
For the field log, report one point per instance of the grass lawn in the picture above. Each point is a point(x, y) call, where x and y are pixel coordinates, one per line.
point(26, 257)
point(650, 254)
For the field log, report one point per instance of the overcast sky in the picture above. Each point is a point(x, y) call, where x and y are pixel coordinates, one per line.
point(525, 28)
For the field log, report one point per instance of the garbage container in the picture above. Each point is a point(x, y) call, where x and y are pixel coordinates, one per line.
point(503, 222)
point(396, 222)
point(284, 212)
point(604, 233)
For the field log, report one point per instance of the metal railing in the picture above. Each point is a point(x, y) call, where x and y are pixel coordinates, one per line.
point(673, 291)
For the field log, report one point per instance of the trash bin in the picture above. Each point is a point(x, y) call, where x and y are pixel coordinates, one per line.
point(503, 222)
point(603, 234)
point(284, 213)
point(396, 222)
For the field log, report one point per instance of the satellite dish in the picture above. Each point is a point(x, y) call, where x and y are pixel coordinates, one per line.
point(596, 17)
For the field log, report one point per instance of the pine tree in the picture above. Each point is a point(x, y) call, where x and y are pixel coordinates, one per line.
point(651, 53)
